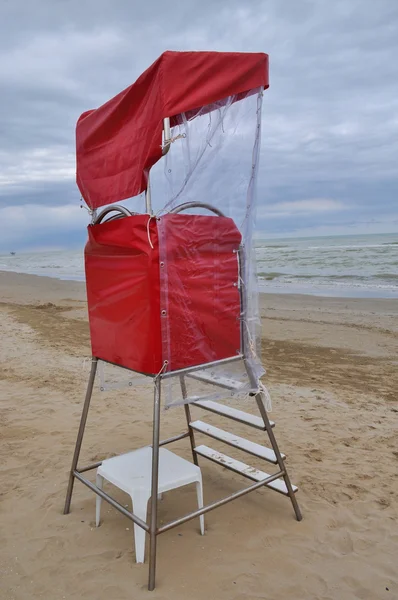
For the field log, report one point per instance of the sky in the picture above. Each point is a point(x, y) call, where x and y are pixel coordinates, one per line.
point(329, 153)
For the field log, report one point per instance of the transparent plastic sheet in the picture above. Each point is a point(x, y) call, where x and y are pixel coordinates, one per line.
point(113, 378)
point(206, 253)
point(212, 383)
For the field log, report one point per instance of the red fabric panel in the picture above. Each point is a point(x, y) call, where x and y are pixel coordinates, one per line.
point(117, 143)
point(201, 301)
point(122, 279)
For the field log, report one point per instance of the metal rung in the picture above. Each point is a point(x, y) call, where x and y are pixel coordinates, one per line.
point(232, 413)
point(241, 468)
point(236, 442)
point(224, 382)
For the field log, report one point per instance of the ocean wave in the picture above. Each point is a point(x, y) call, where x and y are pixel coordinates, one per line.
point(270, 276)
point(351, 248)
point(358, 265)
point(393, 276)
point(332, 277)
point(50, 267)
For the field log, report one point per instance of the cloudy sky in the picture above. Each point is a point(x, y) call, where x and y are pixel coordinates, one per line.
point(330, 119)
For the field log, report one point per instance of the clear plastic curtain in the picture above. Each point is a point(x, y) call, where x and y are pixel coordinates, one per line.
point(212, 161)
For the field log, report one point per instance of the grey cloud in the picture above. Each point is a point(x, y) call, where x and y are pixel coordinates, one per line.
point(330, 119)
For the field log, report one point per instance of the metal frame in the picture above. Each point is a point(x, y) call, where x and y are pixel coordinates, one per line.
point(152, 529)
point(165, 148)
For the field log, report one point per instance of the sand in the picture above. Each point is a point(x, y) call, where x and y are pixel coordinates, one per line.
point(333, 375)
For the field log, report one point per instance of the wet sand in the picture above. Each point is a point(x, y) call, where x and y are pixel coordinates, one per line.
point(332, 370)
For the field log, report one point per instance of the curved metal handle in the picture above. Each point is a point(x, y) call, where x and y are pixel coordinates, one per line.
point(124, 212)
point(188, 205)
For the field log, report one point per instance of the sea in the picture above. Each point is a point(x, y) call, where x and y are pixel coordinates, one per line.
point(360, 266)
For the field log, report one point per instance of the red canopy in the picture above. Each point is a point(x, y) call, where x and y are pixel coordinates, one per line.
point(118, 143)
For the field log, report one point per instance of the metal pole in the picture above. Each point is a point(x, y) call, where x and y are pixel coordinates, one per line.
point(279, 458)
point(148, 201)
point(80, 434)
point(175, 438)
point(167, 133)
point(188, 418)
point(111, 501)
point(154, 486)
point(244, 341)
point(218, 503)
point(166, 148)
point(254, 383)
point(89, 467)
point(242, 297)
point(214, 363)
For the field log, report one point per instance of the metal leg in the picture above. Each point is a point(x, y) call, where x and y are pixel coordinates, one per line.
point(279, 458)
point(154, 487)
point(99, 481)
point(80, 434)
point(199, 495)
point(188, 418)
point(281, 464)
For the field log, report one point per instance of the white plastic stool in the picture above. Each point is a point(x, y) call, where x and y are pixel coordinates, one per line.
point(132, 473)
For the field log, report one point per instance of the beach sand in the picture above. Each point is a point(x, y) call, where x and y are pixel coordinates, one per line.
point(332, 370)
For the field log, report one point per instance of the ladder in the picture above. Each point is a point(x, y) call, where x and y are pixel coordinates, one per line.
point(261, 422)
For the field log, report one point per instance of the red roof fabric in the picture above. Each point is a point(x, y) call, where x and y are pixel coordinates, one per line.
point(118, 143)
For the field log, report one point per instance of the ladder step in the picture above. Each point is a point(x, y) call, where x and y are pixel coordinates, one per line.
point(236, 441)
point(239, 467)
point(232, 413)
point(224, 382)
